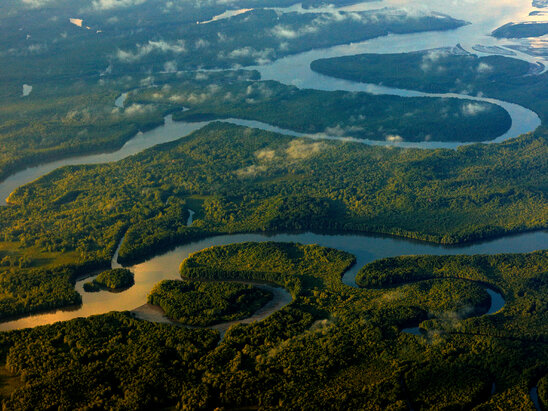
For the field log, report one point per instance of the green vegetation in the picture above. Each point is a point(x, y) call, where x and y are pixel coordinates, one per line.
point(333, 347)
point(244, 180)
point(286, 264)
point(542, 388)
point(70, 108)
point(206, 303)
point(521, 30)
point(154, 36)
point(361, 115)
point(522, 278)
point(108, 361)
point(31, 290)
point(443, 71)
point(115, 279)
point(62, 121)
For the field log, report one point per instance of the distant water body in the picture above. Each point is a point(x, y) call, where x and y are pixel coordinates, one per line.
point(295, 70)
point(366, 248)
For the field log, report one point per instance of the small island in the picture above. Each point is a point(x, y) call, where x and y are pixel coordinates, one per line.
point(204, 303)
point(111, 280)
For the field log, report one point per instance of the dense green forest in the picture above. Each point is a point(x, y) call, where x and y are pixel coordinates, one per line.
point(75, 73)
point(105, 362)
point(542, 388)
point(74, 119)
point(339, 113)
point(167, 38)
point(205, 303)
point(521, 30)
point(244, 180)
point(62, 121)
point(113, 280)
point(334, 347)
point(522, 278)
point(441, 71)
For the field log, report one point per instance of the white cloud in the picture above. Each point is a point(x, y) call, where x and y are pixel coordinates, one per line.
point(299, 150)
point(473, 109)
point(161, 46)
point(394, 138)
point(201, 76)
point(36, 3)
point(265, 154)
point(201, 43)
point(339, 131)
point(26, 90)
point(432, 58)
point(260, 56)
point(113, 4)
point(138, 109)
point(484, 68)
point(250, 171)
point(170, 67)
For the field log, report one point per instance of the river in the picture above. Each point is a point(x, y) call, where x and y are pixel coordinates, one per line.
point(366, 248)
point(296, 70)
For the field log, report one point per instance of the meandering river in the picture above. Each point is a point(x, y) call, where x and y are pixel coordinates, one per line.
point(296, 70)
point(366, 248)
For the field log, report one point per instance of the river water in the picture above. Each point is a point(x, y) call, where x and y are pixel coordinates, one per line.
point(366, 248)
point(485, 16)
point(295, 70)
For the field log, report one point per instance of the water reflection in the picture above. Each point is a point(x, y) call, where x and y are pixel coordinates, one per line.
point(366, 248)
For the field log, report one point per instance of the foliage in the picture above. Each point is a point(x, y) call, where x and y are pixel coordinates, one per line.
point(542, 390)
point(244, 180)
point(108, 361)
point(205, 303)
point(286, 264)
point(38, 289)
point(115, 279)
point(443, 71)
point(522, 278)
point(338, 113)
point(333, 347)
point(521, 30)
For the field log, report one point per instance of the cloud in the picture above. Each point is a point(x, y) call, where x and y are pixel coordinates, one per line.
point(201, 76)
point(170, 67)
point(431, 58)
point(265, 154)
point(300, 150)
point(250, 171)
point(260, 56)
point(37, 48)
point(177, 47)
point(473, 109)
point(484, 68)
point(394, 138)
point(138, 109)
point(114, 4)
point(36, 3)
point(259, 90)
point(201, 43)
point(146, 82)
point(284, 32)
point(339, 131)
point(26, 90)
